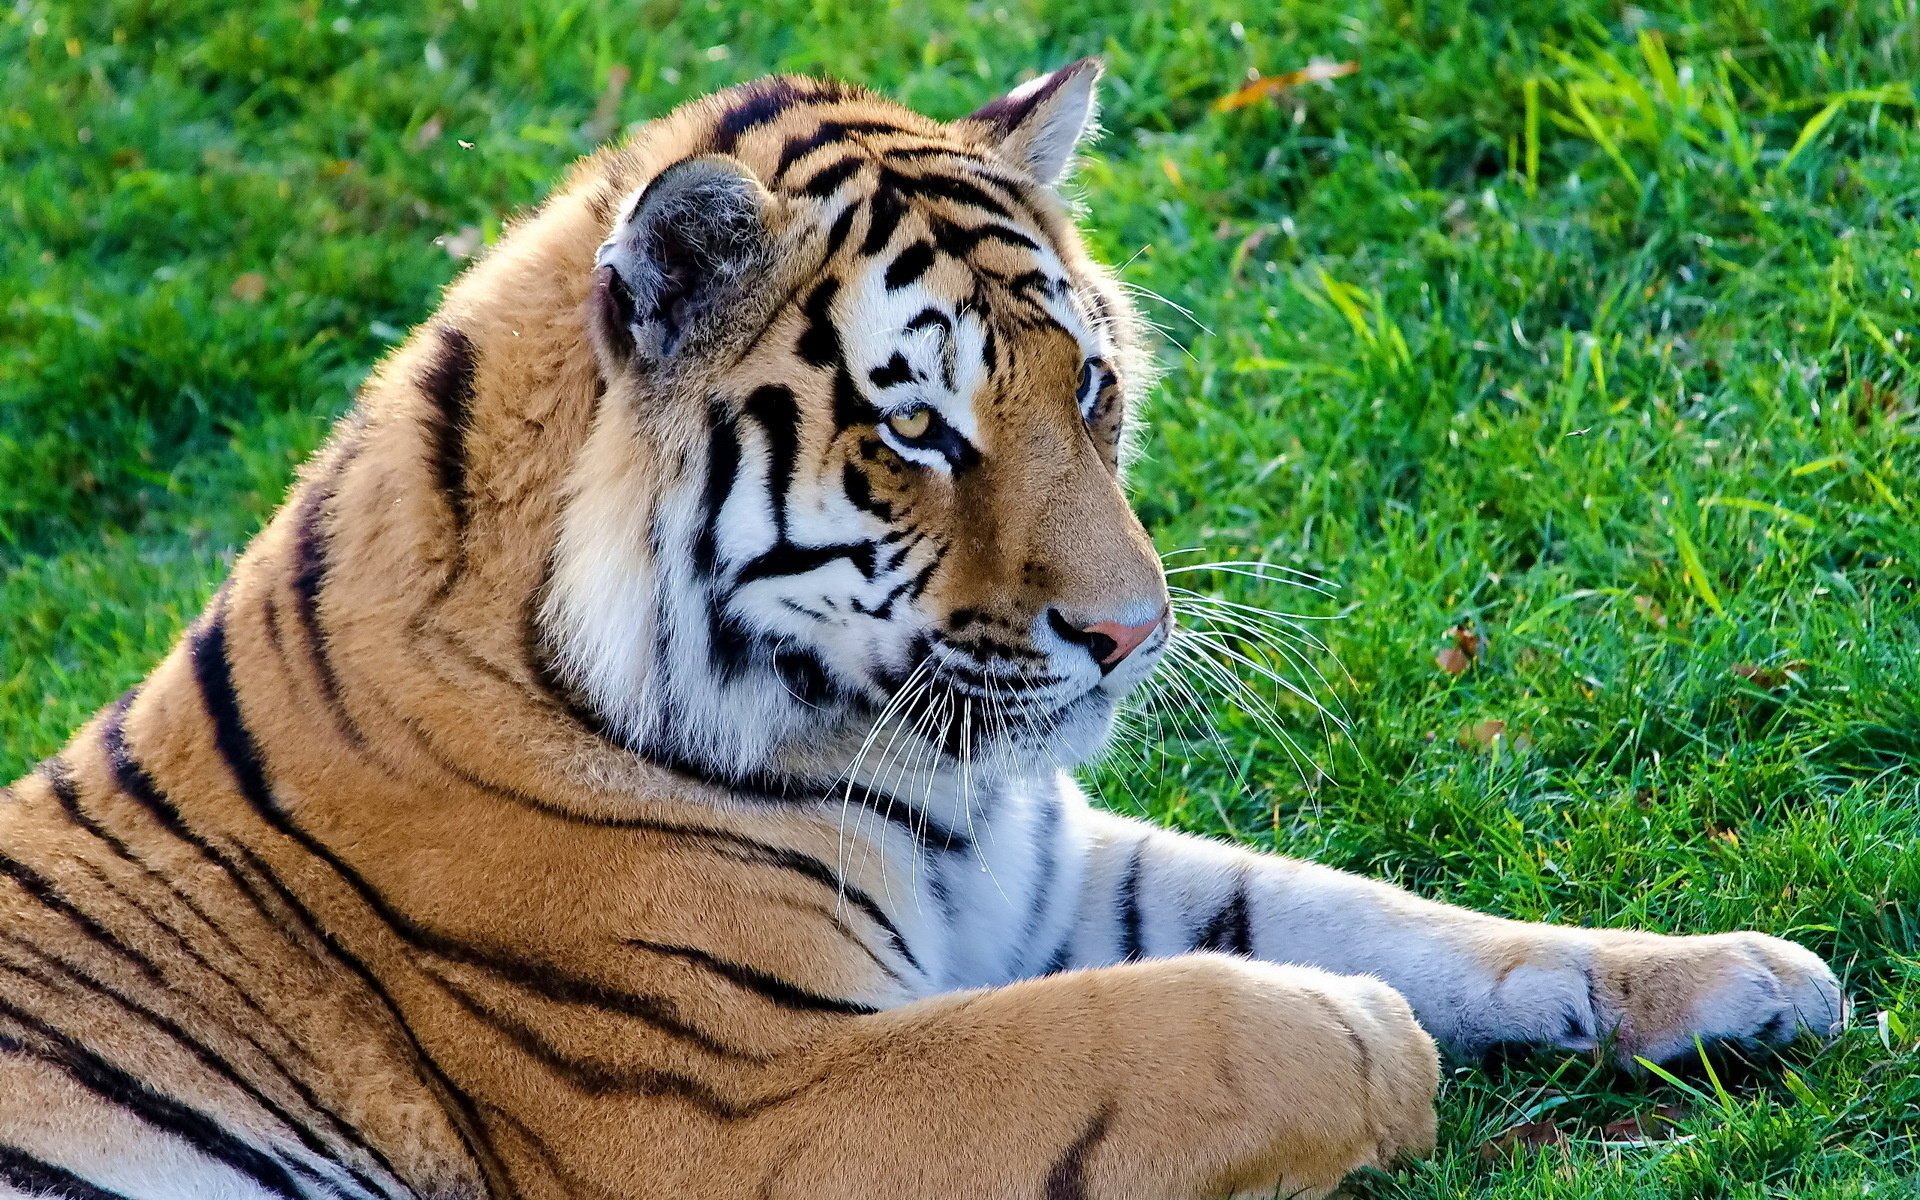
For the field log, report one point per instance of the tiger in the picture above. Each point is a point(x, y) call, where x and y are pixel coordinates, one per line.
point(635, 761)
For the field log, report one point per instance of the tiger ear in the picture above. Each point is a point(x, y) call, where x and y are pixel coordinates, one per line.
point(689, 242)
point(1039, 124)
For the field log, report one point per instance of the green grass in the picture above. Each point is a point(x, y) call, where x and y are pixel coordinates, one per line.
point(1594, 327)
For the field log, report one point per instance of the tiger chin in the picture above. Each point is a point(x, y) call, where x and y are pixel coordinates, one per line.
point(631, 762)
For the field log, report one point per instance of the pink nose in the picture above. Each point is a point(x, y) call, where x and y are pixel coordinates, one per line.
point(1109, 641)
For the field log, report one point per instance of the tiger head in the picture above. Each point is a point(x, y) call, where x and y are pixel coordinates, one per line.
point(857, 471)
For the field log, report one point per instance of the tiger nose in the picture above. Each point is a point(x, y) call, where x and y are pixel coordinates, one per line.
point(1108, 642)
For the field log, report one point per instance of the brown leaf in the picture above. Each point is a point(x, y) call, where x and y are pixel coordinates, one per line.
point(1272, 85)
point(1469, 642)
point(249, 288)
point(1481, 735)
point(1464, 652)
point(1770, 678)
point(1656, 1125)
point(1534, 1135)
point(1650, 608)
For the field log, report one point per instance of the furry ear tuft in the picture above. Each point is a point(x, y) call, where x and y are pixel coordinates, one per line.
point(1038, 125)
point(689, 241)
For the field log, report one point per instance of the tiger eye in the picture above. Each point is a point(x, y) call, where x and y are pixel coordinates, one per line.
point(911, 425)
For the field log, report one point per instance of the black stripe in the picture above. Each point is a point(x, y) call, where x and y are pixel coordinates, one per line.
point(768, 854)
point(774, 408)
point(237, 746)
point(912, 263)
point(38, 1177)
point(1132, 947)
point(214, 1063)
point(893, 372)
point(42, 890)
point(762, 105)
point(162, 1112)
point(600, 1079)
point(952, 188)
point(785, 559)
point(1067, 1178)
point(309, 576)
point(928, 318)
point(447, 384)
point(1231, 930)
point(959, 240)
point(829, 131)
point(1046, 833)
point(1061, 958)
point(858, 489)
point(134, 780)
point(774, 988)
point(723, 463)
point(340, 1127)
point(851, 407)
point(820, 342)
point(841, 227)
point(465, 1116)
point(884, 213)
point(828, 179)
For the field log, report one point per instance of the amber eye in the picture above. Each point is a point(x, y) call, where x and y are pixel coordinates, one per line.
point(911, 425)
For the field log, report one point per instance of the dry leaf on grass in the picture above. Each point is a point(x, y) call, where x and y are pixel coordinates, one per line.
point(1656, 1125)
point(1770, 678)
point(1534, 1135)
point(1481, 735)
point(1272, 85)
point(1466, 648)
point(249, 288)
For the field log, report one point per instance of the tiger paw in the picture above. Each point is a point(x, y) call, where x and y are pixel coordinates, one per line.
point(1658, 996)
point(1352, 1079)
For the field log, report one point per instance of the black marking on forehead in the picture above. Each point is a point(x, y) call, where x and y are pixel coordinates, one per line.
point(930, 318)
point(762, 105)
point(909, 265)
point(960, 240)
point(883, 217)
point(829, 132)
point(828, 179)
point(941, 186)
point(936, 150)
point(842, 226)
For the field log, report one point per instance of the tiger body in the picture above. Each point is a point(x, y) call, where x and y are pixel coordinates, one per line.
point(631, 762)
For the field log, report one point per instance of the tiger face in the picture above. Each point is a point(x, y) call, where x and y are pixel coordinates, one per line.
point(857, 470)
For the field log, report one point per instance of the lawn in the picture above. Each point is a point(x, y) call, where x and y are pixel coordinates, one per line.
point(1572, 345)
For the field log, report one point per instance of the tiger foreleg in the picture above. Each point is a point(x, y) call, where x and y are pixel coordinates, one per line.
point(1474, 981)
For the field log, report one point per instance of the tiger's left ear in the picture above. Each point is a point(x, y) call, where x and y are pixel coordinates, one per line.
point(1039, 124)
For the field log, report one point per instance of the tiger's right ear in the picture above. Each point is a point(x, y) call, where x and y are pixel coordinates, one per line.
point(690, 241)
